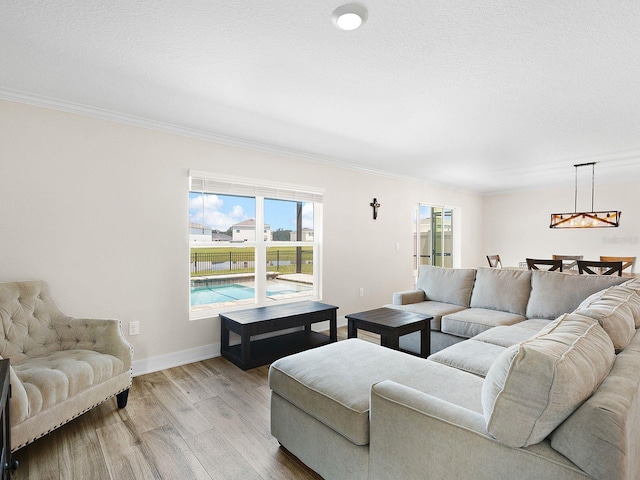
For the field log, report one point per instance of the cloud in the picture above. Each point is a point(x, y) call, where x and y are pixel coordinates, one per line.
point(307, 215)
point(212, 212)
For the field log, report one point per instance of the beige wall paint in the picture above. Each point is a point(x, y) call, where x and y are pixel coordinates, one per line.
point(517, 224)
point(100, 210)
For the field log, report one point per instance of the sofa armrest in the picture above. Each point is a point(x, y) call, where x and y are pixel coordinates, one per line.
point(19, 402)
point(100, 335)
point(409, 296)
point(417, 435)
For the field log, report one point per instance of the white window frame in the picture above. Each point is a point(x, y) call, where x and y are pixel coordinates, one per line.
point(260, 189)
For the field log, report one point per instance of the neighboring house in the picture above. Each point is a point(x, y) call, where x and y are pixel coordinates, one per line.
point(199, 233)
point(307, 235)
point(202, 233)
point(246, 231)
point(220, 237)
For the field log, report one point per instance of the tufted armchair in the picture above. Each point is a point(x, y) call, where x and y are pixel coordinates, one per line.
point(61, 366)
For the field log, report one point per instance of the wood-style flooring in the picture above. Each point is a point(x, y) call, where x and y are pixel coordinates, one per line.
point(207, 420)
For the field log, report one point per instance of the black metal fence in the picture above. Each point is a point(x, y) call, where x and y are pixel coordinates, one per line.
point(289, 260)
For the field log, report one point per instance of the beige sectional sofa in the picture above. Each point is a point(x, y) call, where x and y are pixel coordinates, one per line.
point(60, 366)
point(466, 302)
point(527, 396)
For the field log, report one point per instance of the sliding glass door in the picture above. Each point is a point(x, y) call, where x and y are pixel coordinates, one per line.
point(433, 231)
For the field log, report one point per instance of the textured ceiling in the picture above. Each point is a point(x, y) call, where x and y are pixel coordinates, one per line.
point(484, 95)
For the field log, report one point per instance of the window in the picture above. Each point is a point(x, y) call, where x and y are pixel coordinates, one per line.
point(434, 243)
point(251, 243)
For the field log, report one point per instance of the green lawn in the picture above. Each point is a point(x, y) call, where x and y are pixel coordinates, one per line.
point(241, 260)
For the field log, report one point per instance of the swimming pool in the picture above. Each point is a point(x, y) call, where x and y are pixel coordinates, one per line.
point(236, 291)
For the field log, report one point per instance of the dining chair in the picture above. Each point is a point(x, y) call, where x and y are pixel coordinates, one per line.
point(627, 262)
point(535, 263)
point(593, 267)
point(569, 262)
point(494, 261)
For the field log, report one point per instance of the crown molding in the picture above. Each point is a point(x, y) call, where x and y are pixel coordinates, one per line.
point(619, 158)
point(132, 120)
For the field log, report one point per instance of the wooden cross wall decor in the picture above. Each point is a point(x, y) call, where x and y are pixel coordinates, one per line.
point(375, 206)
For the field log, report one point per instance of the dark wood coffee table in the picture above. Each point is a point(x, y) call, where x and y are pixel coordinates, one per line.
point(391, 324)
point(255, 321)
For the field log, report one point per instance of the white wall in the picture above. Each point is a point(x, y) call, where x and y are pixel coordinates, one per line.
point(100, 210)
point(517, 225)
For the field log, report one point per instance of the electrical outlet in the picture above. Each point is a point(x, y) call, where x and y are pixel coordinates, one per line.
point(134, 328)
point(362, 292)
point(397, 246)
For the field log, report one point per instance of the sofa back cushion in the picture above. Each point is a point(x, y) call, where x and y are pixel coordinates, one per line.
point(614, 308)
point(635, 285)
point(535, 385)
point(554, 293)
point(602, 437)
point(26, 314)
point(447, 285)
point(500, 289)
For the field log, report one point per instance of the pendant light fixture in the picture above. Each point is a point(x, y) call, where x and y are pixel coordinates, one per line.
point(592, 219)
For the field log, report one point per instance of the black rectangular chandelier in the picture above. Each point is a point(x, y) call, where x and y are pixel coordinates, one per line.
point(592, 219)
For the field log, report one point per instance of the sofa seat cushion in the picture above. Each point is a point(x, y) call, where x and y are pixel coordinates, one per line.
point(470, 356)
point(433, 309)
point(506, 336)
point(332, 383)
point(534, 386)
point(614, 308)
point(498, 289)
point(477, 354)
point(472, 321)
point(535, 324)
point(447, 285)
point(51, 379)
point(554, 293)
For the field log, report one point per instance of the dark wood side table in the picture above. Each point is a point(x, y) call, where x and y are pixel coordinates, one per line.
point(256, 321)
point(391, 324)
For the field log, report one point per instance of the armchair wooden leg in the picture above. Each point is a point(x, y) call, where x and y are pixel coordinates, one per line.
point(122, 398)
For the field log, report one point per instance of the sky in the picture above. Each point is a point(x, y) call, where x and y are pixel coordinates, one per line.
point(222, 211)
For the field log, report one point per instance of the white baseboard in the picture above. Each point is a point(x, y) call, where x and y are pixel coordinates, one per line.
point(175, 359)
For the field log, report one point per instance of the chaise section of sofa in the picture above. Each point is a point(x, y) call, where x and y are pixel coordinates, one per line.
point(320, 400)
point(60, 366)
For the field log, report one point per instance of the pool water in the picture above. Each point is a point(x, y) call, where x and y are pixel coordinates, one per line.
point(236, 291)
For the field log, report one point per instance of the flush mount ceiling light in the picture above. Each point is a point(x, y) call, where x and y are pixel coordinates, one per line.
point(609, 218)
point(349, 16)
